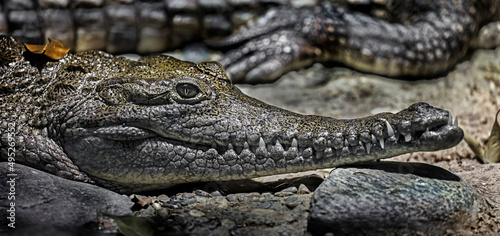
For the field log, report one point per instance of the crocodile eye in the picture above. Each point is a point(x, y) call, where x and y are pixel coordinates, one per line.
point(187, 90)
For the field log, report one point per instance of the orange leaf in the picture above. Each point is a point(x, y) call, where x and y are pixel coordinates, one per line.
point(38, 49)
point(54, 49)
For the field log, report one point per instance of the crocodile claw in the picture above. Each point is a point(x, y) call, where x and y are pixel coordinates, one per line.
point(267, 49)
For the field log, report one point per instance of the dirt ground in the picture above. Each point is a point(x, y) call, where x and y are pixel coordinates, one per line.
point(470, 91)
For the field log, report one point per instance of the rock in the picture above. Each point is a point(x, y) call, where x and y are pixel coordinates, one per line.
point(393, 198)
point(49, 205)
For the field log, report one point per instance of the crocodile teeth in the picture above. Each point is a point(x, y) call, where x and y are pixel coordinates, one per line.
point(214, 145)
point(262, 144)
point(450, 118)
point(456, 121)
point(294, 143)
point(368, 147)
point(407, 137)
point(229, 146)
point(390, 131)
point(381, 141)
point(354, 150)
point(246, 146)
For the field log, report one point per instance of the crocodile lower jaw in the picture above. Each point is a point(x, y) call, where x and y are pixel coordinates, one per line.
point(289, 149)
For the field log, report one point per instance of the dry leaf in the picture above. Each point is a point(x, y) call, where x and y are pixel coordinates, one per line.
point(492, 154)
point(54, 49)
point(474, 145)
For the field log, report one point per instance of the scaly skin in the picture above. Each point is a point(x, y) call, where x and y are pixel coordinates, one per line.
point(128, 26)
point(406, 39)
point(422, 38)
point(149, 124)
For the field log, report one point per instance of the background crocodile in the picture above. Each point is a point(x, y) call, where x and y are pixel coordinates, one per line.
point(396, 38)
point(149, 124)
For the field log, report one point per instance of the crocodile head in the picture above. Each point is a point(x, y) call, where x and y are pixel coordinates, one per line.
point(159, 121)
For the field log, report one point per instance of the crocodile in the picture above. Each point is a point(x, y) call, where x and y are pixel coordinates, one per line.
point(129, 26)
point(401, 39)
point(159, 121)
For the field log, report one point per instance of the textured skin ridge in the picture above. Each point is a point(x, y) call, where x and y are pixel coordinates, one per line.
point(411, 39)
point(148, 124)
point(128, 26)
point(405, 39)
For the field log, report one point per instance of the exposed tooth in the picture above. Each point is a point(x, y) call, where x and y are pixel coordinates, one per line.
point(278, 143)
point(374, 140)
point(450, 118)
point(269, 146)
point(294, 143)
point(427, 130)
point(262, 144)
point(390, 131)
point(214, 145)
point(381, 141)
point(456, 121)
point(329, 143)
point(346, 143)
point(245, 145)
point(354, 149)
point(229, 146)
point(407, 137)
point(368, 147)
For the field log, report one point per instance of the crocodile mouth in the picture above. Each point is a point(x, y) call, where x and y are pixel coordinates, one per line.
point(440, 134)
point(133, 155)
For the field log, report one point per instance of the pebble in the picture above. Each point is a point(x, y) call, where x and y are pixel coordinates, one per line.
point(196, 213)
point(303, 189)
point(264, 205)
point(292, 202)
point(283, 194)
point(163, 198)
point(221, 202)
point(290, 189)
point(156, 206)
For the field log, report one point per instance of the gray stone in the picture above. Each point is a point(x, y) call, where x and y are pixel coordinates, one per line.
point(393, 198)
point(56, 205)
